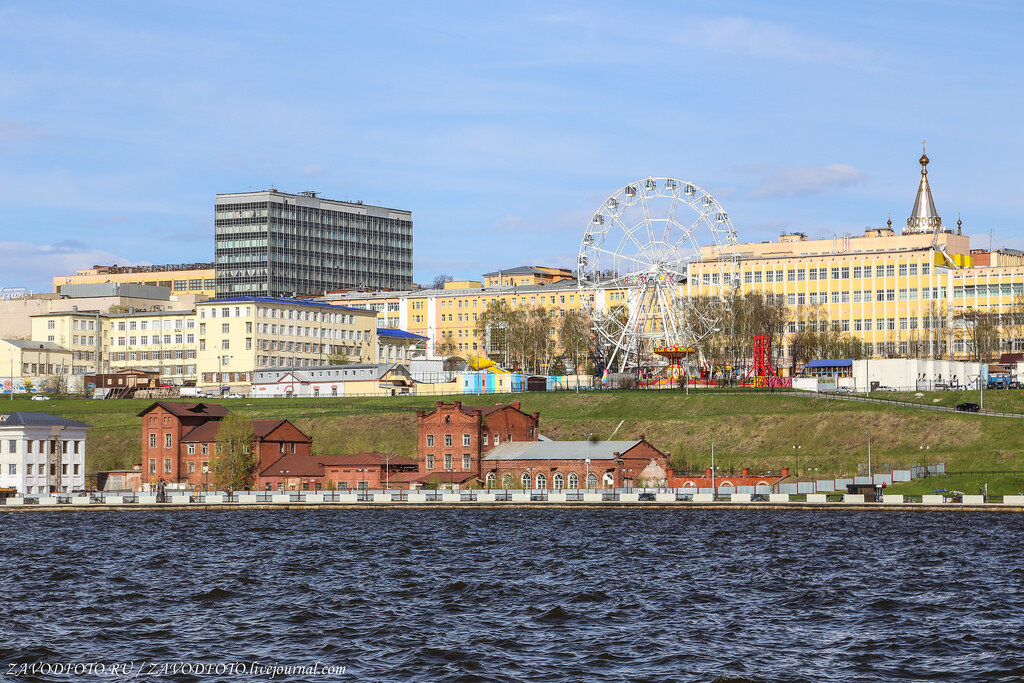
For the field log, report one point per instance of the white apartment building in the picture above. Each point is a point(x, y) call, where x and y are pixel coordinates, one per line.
point(41, 453)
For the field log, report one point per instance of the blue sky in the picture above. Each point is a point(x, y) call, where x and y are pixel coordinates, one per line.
point(501, 126)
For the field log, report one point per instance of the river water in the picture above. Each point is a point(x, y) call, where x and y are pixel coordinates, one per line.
point(539, 595)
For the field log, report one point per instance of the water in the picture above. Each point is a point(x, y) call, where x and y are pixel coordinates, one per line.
point(481, 595)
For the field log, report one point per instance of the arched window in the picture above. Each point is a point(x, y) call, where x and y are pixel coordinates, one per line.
point(608, 480)
point(526, 480)
point(492, 480)
point(574, 480)
point(542, 481)
point(557, 481)
point(591, 481)
point(507, 481)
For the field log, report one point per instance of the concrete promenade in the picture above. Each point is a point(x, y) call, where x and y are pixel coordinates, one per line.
point(501, 499)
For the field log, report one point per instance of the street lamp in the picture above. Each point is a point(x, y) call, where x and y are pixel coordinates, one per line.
point(577, 363)
point(869, 455)
point(796, 451)
point(924, 451)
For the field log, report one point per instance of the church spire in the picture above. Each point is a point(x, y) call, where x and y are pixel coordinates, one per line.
point(924, 218)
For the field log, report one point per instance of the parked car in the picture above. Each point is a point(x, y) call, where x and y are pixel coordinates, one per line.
point(646, 496)
point(1016, 385)
point(884, 388)
point(40, 397)
point(968, 407)
point(844, 390)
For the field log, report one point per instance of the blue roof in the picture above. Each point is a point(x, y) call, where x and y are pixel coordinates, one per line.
point(830, 363)
point(392, 332)
point(38, 419)
point(281, 300)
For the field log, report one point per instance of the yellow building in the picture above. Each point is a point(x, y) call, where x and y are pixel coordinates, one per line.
point(527, 275)
point(157, 341)
point(20, 358)
point(237, 335)
point(80, 332)
point(192, 278)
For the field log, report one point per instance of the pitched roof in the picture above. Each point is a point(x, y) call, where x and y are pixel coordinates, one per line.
point(38, 420)
point(204, 433)
point(28, 344)
point(295, 465)
point(560, 450)
point(208, 431)
point(189, 409)
point(281, 300)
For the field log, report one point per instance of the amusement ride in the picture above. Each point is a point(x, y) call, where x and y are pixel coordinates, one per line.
point(657, 265)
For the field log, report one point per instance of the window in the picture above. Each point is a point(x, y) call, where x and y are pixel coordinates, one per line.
point(191, 449)
point(167, 465)
point(485, 438)
point(167, 440)
point(465, 440)
point(497, 439)
point(903, 269)
point(465, 461)
point(447, 440)
point(152, 465)
point(591, 481)
point(526, 480)
point(12, 468)
point(448, 461)
point(430, 440)
point(574, 480)
point(205, 449)
point(430, 461)
point(12, 446)
point(191, 467)
point(542, 481)
point(913, 269)
point(492, 480)
point(557, 481)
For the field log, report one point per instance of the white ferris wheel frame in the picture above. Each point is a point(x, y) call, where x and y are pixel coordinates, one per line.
point(651, 257)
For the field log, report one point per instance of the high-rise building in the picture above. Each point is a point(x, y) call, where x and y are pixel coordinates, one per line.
point(271, 243)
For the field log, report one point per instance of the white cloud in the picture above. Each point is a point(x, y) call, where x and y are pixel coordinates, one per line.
point(312, 169)
point(34, 265)
point(799, 181)
point(15, 131)
point(770, 40)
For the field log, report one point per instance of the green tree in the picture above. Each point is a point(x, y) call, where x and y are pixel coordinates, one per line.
point(234, 465)
point(338, 358)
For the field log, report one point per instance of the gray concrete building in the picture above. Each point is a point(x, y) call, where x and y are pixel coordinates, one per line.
point(271, 243)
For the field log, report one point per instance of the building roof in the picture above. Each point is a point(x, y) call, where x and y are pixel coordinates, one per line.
point(487, 410)
point(830, 363)
point(304, 374)
point(34, 345)
point(560, 450)
point(208, 431)
point(281, 300)
point(296, 465)
point(399, 334)
point(529, 270)
point(38, 420)
point(180, 409)
point(363, 459)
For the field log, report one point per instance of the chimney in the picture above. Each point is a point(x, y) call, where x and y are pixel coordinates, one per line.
point(785, 471)
point(458, 404)
point(536, 416)
point(643, 437)
point(745, 471)
point(707, 473)
point(516, 405)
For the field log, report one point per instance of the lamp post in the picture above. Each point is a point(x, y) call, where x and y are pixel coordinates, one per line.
point(577, 363)
point(924, 451)
point(387, 472)
point(796, 469)
point(869, 456)
point(714, 491)
point(586, 460)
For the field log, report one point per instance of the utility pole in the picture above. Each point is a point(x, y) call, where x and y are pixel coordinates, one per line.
point(714, 491)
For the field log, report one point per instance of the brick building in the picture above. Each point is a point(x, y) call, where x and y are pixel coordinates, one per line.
point(500, 446)
point(677, 480)
point(575, 465)
point(179, 441)
point(355, 471)
point(452, 438)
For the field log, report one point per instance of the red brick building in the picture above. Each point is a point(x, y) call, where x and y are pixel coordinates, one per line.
point(702, 481)
point(452, 438)
point(179, 442)
point(575, 465)
point(500, 446)
point(356, 471)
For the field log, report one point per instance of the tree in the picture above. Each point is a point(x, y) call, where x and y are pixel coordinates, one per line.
point(338, 358)
point(234, 465)
point(575, 335)
point(980, 333)
point(55, 384)
point(439, 281)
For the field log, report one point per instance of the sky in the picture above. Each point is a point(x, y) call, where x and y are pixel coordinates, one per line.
point(501, 126)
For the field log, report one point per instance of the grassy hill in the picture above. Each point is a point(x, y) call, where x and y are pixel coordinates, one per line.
point(757, 431)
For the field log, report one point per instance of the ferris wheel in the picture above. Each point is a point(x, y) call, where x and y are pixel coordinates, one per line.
point(656, 265)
